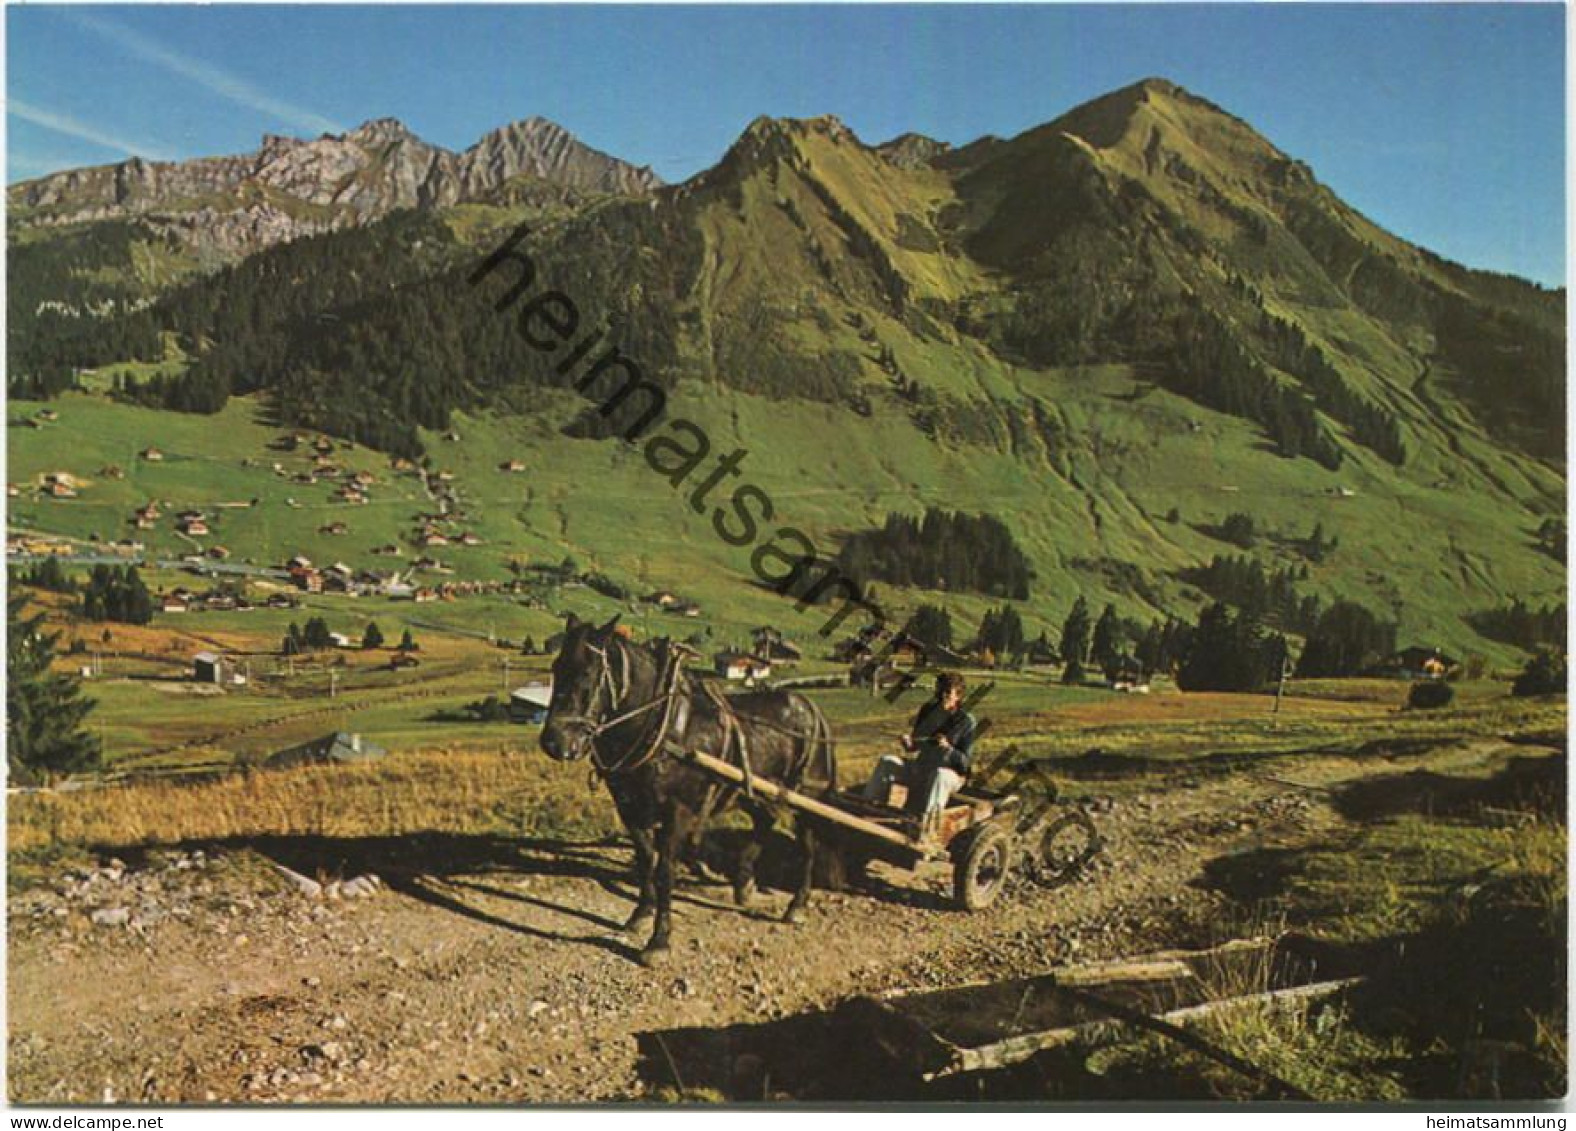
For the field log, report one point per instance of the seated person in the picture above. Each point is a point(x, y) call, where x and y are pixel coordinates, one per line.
point(942, 740)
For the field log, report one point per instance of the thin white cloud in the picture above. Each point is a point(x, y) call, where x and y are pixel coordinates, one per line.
point(64, 124)
point(220, 82)
point(34, 159)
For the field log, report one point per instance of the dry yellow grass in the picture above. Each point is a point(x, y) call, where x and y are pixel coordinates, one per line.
point(430, 791)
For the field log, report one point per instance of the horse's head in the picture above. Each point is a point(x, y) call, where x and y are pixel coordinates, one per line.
point(586, 687)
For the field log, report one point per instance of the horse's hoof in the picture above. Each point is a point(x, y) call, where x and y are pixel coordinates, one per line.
point(654, 956)
point(744, 894)
point(794, 915)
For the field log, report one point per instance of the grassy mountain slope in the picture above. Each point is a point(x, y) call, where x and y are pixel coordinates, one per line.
point(1139, 307)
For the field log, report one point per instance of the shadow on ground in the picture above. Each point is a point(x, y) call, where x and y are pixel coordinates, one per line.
point(1097, 764)
point(1533, 785)
point(1473, 986)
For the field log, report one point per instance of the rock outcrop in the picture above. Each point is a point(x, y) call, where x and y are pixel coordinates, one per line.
point(289, 187)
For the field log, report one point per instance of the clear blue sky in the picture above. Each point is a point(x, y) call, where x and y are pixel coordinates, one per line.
point(1443, 122)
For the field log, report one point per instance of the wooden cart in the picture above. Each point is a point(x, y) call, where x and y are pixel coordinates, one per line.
point(984, 835)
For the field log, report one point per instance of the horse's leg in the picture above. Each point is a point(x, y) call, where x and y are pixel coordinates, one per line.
point(744, 880)
point(807, 848)
point(645, 878)
point(669, 842)
point(639, 822)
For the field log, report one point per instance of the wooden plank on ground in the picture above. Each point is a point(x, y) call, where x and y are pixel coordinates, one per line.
point(989, 1025)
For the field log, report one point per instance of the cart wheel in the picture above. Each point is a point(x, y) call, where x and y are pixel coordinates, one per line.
point(981, 872)
point(1065, 847)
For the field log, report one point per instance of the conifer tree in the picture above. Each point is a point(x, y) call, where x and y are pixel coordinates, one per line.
point(44, 710)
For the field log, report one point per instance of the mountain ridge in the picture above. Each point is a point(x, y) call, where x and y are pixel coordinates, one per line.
point(291, 187)
point(1139, 310)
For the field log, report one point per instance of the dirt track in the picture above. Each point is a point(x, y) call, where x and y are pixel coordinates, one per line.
point(492, 971)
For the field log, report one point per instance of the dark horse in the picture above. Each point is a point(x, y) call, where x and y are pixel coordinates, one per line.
point(625, 705)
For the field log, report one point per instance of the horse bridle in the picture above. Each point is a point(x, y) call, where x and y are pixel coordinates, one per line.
point(616, 689)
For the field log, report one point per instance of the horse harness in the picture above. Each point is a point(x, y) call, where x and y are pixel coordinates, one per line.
point(616, 689)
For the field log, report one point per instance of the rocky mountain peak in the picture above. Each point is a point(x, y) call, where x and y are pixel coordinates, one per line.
point(542, 148)
point(344, 179)
point(912, 150)
point(381, 131)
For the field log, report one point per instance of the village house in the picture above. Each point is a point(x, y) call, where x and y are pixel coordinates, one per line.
point(307, 578)
point(906, 651)
point(938, 655)
point(734, 665)
point(152, 455)
point(663, 599)
point(895, 650)
point(338, 748)
point(424, 594)
point(218, 553)
point(340, 578)
point(433, 538)
point(1421, 663)
point(300, 561)
point(689, 609)
point(176, 602)
point(470, 539)
point(773, 647)
point(48, 415)
point(1040, 652)
point(512, 465)
point(192, 527)
point(1125, 673)
point(529, 704)
point(389, 550)
point(333, 528)
point(60, 490)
